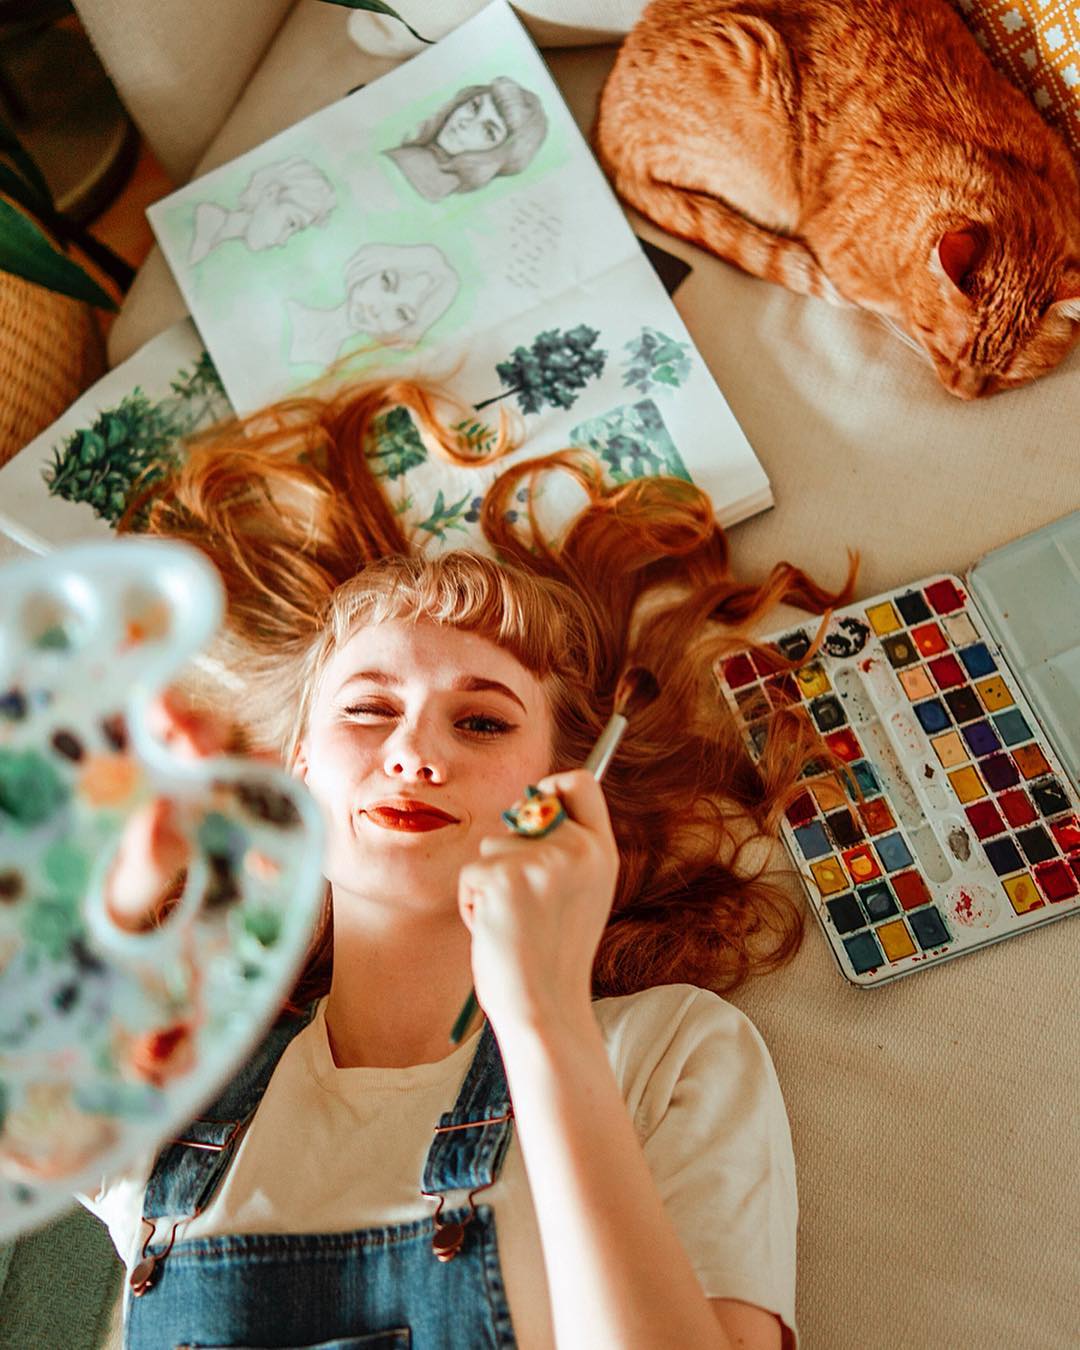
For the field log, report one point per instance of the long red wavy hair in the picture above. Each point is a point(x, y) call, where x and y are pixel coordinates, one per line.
point(285, 504)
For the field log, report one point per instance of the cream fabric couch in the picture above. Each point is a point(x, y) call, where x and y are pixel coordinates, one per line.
point(935, 1121)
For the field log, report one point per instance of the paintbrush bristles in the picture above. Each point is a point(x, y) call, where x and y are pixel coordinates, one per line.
point(637, 688)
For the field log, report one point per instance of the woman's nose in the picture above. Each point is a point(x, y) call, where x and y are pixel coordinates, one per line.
point(410, 761)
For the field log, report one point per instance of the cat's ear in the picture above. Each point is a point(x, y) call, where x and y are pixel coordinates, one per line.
point(1067, 295)
point(958, 253)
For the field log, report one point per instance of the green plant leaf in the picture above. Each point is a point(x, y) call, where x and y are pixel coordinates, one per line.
point(23, 193)
point(25, 252)
point(377, 7)
point(11, 146)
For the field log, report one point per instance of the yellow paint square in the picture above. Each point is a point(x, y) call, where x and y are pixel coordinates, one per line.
point(813, 681)
point(883, 618)
point(829, 876)
point(994, 693)
point(917, 683)
point(950, 749)
point(967, 784)
point(895, 939)
point(1023, 893)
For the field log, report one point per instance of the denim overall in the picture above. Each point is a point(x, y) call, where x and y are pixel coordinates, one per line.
point(433, 1284)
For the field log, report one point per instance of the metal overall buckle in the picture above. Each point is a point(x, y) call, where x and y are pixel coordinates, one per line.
point(449, 1237)
point(147, 1269)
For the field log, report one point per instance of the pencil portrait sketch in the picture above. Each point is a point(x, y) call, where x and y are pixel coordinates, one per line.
point(484, 131)
point(279, 200)
point(393, 293)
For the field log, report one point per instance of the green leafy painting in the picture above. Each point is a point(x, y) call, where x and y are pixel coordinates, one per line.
point(633, 442)
point(553, 370)
point(654, 359)
point(396, 446)
point(134, 443)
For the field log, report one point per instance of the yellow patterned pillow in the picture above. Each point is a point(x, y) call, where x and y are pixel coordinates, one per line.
point(1036, 43)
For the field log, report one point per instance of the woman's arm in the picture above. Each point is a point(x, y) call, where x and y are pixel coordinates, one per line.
point(618, 1274)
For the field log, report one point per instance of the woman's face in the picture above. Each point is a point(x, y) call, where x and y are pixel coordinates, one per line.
point(475, 124)
point(419, 738)
point(388, 301)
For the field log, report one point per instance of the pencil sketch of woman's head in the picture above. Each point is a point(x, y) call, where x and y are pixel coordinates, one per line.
point(484, 131)
point(279, 200)
point(393, 293)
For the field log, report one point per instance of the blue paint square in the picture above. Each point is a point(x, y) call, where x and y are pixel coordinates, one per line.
point(864, 776)
point(863, 953)
point(932, 715)
point(980, 738)
point(978, 660)
point(813, 841)
point(878, 901)
point(893, 852)
point(1012, 727)
point(928, 927)
point(1003, 856)
point(845, 913)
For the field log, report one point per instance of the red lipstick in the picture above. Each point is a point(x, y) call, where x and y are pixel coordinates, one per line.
point(404, 813)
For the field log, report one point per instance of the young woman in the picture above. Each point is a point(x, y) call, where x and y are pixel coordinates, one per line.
point(483, 132)
point(622, 1122)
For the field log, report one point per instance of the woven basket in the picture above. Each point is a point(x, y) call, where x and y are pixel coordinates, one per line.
point(51, 349)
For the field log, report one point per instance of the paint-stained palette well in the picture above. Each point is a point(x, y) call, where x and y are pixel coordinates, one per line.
point(950, 823)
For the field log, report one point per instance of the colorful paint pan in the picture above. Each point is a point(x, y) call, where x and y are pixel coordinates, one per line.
point(951, 787)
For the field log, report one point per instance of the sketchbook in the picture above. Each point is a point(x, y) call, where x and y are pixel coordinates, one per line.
point(462, 234)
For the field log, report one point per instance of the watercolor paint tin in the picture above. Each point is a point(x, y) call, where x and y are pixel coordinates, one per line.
point(954, 705)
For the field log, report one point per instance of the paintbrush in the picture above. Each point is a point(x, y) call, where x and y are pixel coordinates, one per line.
point(537, 813)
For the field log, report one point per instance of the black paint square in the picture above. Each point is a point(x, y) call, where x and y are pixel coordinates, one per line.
point(845, 830)
point(964, 704)
point(827, 713)
point(1036, 843)
point(913, 607)
point(1050, 797)
point(845, 913)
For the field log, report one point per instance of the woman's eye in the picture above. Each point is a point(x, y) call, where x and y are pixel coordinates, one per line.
point(474, 105)
point(386, 281)
point(369, 710)
point(485, 726)
point(491, 131)
point(404, 314)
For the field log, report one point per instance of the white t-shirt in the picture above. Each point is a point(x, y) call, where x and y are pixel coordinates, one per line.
point(332, 1149)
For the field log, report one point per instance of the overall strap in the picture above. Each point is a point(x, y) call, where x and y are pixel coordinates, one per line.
point(471, 1140)
point(189, 1169)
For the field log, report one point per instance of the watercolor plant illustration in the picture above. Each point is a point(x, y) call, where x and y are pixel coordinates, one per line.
point(134, 443)
point(554, 369)
point(655, 360)
point(633, 442)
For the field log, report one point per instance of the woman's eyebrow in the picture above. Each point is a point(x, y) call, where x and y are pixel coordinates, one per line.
point(467, 684)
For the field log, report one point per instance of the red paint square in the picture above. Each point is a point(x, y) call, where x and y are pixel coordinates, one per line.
point(1067, 833)
point(876, 816)
point(1055, 880)
point(929, 639)
point(845, 744)
point(801, 810)
point(944, 597)
point(947, 672)
point(768, 661)
point(1016, 807)
point(1074, 863)
point(861, 863)
point(910, 889)
point(984, 818)
point(781, 689)
point(739, 670)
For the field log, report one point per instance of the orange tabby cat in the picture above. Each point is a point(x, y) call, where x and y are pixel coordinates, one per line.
point(864, 152)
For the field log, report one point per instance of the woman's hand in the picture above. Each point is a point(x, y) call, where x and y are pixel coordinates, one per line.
point(148, 872)
point(537, 908)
